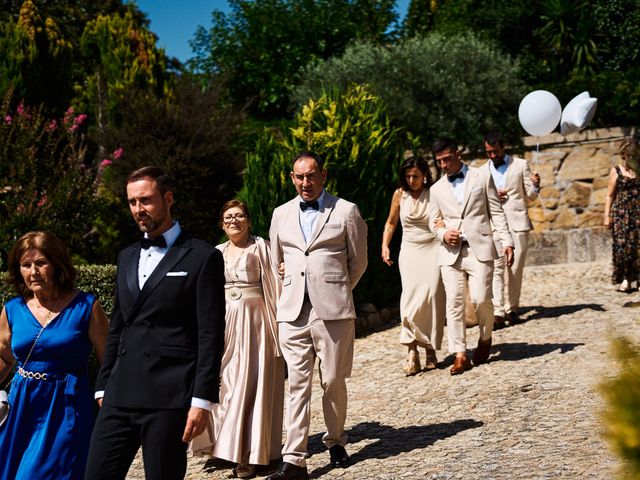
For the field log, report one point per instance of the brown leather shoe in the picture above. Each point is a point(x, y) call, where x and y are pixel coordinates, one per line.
point(513, 318)
point(481, 355)
point(460, 365)
point(499, 322)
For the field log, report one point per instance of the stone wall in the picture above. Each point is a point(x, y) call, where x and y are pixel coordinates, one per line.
point(568, 216)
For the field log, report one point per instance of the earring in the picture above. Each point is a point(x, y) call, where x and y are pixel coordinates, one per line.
point(424, 180)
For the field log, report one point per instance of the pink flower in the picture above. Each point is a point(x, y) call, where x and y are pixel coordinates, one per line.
point(7, 119)
point(20, 109)
point(73, 128)
point(117, 153)
point(52, 125)
point(79, 120)
point(42, 201)
point(105, 163)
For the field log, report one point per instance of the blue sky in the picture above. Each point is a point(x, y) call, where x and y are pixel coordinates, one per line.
point(175, 22)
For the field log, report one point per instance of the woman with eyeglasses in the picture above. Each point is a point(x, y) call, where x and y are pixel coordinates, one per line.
point(247, 423)
point(622, 216)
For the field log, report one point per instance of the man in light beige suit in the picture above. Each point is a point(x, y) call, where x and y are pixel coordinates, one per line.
point(319, 246)
point(515, 183)
point(465, 199)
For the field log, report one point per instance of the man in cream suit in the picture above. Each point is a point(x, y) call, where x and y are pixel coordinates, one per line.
point(465, 199)
point(319, 247)
point(515, 183)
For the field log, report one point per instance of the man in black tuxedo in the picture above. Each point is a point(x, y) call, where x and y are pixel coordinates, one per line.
point(161, 366)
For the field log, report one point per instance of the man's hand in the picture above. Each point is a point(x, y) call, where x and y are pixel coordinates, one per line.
point(196, 423)
point(502, 194)
point(535, 179)
point(508, 252)
point(451, 237)
point(99, 400)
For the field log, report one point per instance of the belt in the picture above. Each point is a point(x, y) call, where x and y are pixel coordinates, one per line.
point(232, 293)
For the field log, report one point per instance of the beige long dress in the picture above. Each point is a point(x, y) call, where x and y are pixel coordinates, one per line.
point(422, 303)
point(247, 423)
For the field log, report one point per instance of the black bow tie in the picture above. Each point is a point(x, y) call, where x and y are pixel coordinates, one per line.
point(159, 242)
point(313, 205)
point(497, 163)
point(452, 178)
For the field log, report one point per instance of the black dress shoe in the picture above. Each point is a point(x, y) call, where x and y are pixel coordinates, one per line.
point(339, 456)
point(289, 471)
point(513, 317)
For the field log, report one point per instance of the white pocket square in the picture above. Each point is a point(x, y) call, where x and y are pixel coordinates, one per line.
point(177, 274)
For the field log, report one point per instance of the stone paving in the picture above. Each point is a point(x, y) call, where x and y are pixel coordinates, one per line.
point(530, 413)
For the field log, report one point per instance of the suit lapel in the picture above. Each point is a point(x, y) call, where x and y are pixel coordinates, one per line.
point(472, 175)
point(175, 253)
point(293, 212)
point(131, 261)
point(327, 208)
point(509, 172)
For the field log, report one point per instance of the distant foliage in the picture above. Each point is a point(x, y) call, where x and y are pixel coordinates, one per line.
point(192, 135)
point(47, 179)
point(262, 46)
point(361, 150)
point(432, 86)
point(622, 416)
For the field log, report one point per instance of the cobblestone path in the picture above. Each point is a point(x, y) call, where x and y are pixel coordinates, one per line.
point(530, 413)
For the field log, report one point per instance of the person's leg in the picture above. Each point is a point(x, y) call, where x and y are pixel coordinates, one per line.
point(453, 279)
point(163, 451)
point(298, 353)
point(498, 287)
point(333, 343)
point(480, 280)
point(521, 245)
point(114, 443)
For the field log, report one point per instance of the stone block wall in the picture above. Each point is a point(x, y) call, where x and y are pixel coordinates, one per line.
point(574, 171)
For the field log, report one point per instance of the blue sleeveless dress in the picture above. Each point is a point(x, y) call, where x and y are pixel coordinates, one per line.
point(46, 435)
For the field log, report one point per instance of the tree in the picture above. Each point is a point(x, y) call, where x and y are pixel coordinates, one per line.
point(192, 135)
point(121, 56)
point(35, 61)
point(262, 46)
point(48, 179)
point(433, 86)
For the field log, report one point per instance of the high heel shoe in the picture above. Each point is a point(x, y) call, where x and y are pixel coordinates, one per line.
point(412, 366)
point(431, 363)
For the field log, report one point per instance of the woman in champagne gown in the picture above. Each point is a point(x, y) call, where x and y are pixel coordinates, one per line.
point(247, 423)
point(422, 302)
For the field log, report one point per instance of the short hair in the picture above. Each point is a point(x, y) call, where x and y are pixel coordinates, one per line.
point(312, 155)
point(231, 204)
point(162, 179)
point(64, 273)
point(631, 148)
point(444, 144)
point(414, 162)
point(493, 139)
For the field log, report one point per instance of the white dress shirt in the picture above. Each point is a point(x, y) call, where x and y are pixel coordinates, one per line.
point(458, 185)
point(308, 218)
point(499, 174)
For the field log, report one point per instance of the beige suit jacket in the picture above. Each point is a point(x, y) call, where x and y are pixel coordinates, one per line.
point(330, 264)
point(519, 188)
point(481, 208)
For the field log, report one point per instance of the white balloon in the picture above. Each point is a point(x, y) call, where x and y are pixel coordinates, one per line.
point(578, 113)
point(539, 112)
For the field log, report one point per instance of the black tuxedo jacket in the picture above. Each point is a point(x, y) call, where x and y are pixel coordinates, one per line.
point(165, 341)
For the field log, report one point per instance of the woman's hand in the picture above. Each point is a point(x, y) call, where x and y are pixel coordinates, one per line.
point(607, 221)
point(386, 256)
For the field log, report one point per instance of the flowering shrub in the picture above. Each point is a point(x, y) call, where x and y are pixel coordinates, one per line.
point(47, 180)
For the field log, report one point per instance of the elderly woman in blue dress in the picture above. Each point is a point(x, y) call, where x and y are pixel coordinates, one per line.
point(48, 331)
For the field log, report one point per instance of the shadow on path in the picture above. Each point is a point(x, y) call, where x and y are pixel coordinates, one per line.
point(511, 352)
point(537, 312)
point(390, 441)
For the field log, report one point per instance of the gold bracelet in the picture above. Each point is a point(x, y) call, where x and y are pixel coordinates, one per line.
point(387, 229)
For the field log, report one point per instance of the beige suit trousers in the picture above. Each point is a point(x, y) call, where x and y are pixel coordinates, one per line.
point(301, 342)
point(479, 275)
point(513, 276)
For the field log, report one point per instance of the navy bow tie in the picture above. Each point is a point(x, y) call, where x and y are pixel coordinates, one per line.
point(159, 242)
point(313, 205)
point(497, 163)
point(452, 178)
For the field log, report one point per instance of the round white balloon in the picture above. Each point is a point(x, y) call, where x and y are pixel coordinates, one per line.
point(539, 112)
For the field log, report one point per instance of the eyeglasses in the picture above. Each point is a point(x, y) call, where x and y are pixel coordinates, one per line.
point(239, 217)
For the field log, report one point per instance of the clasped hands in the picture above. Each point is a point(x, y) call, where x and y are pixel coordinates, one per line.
point(452, 237)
